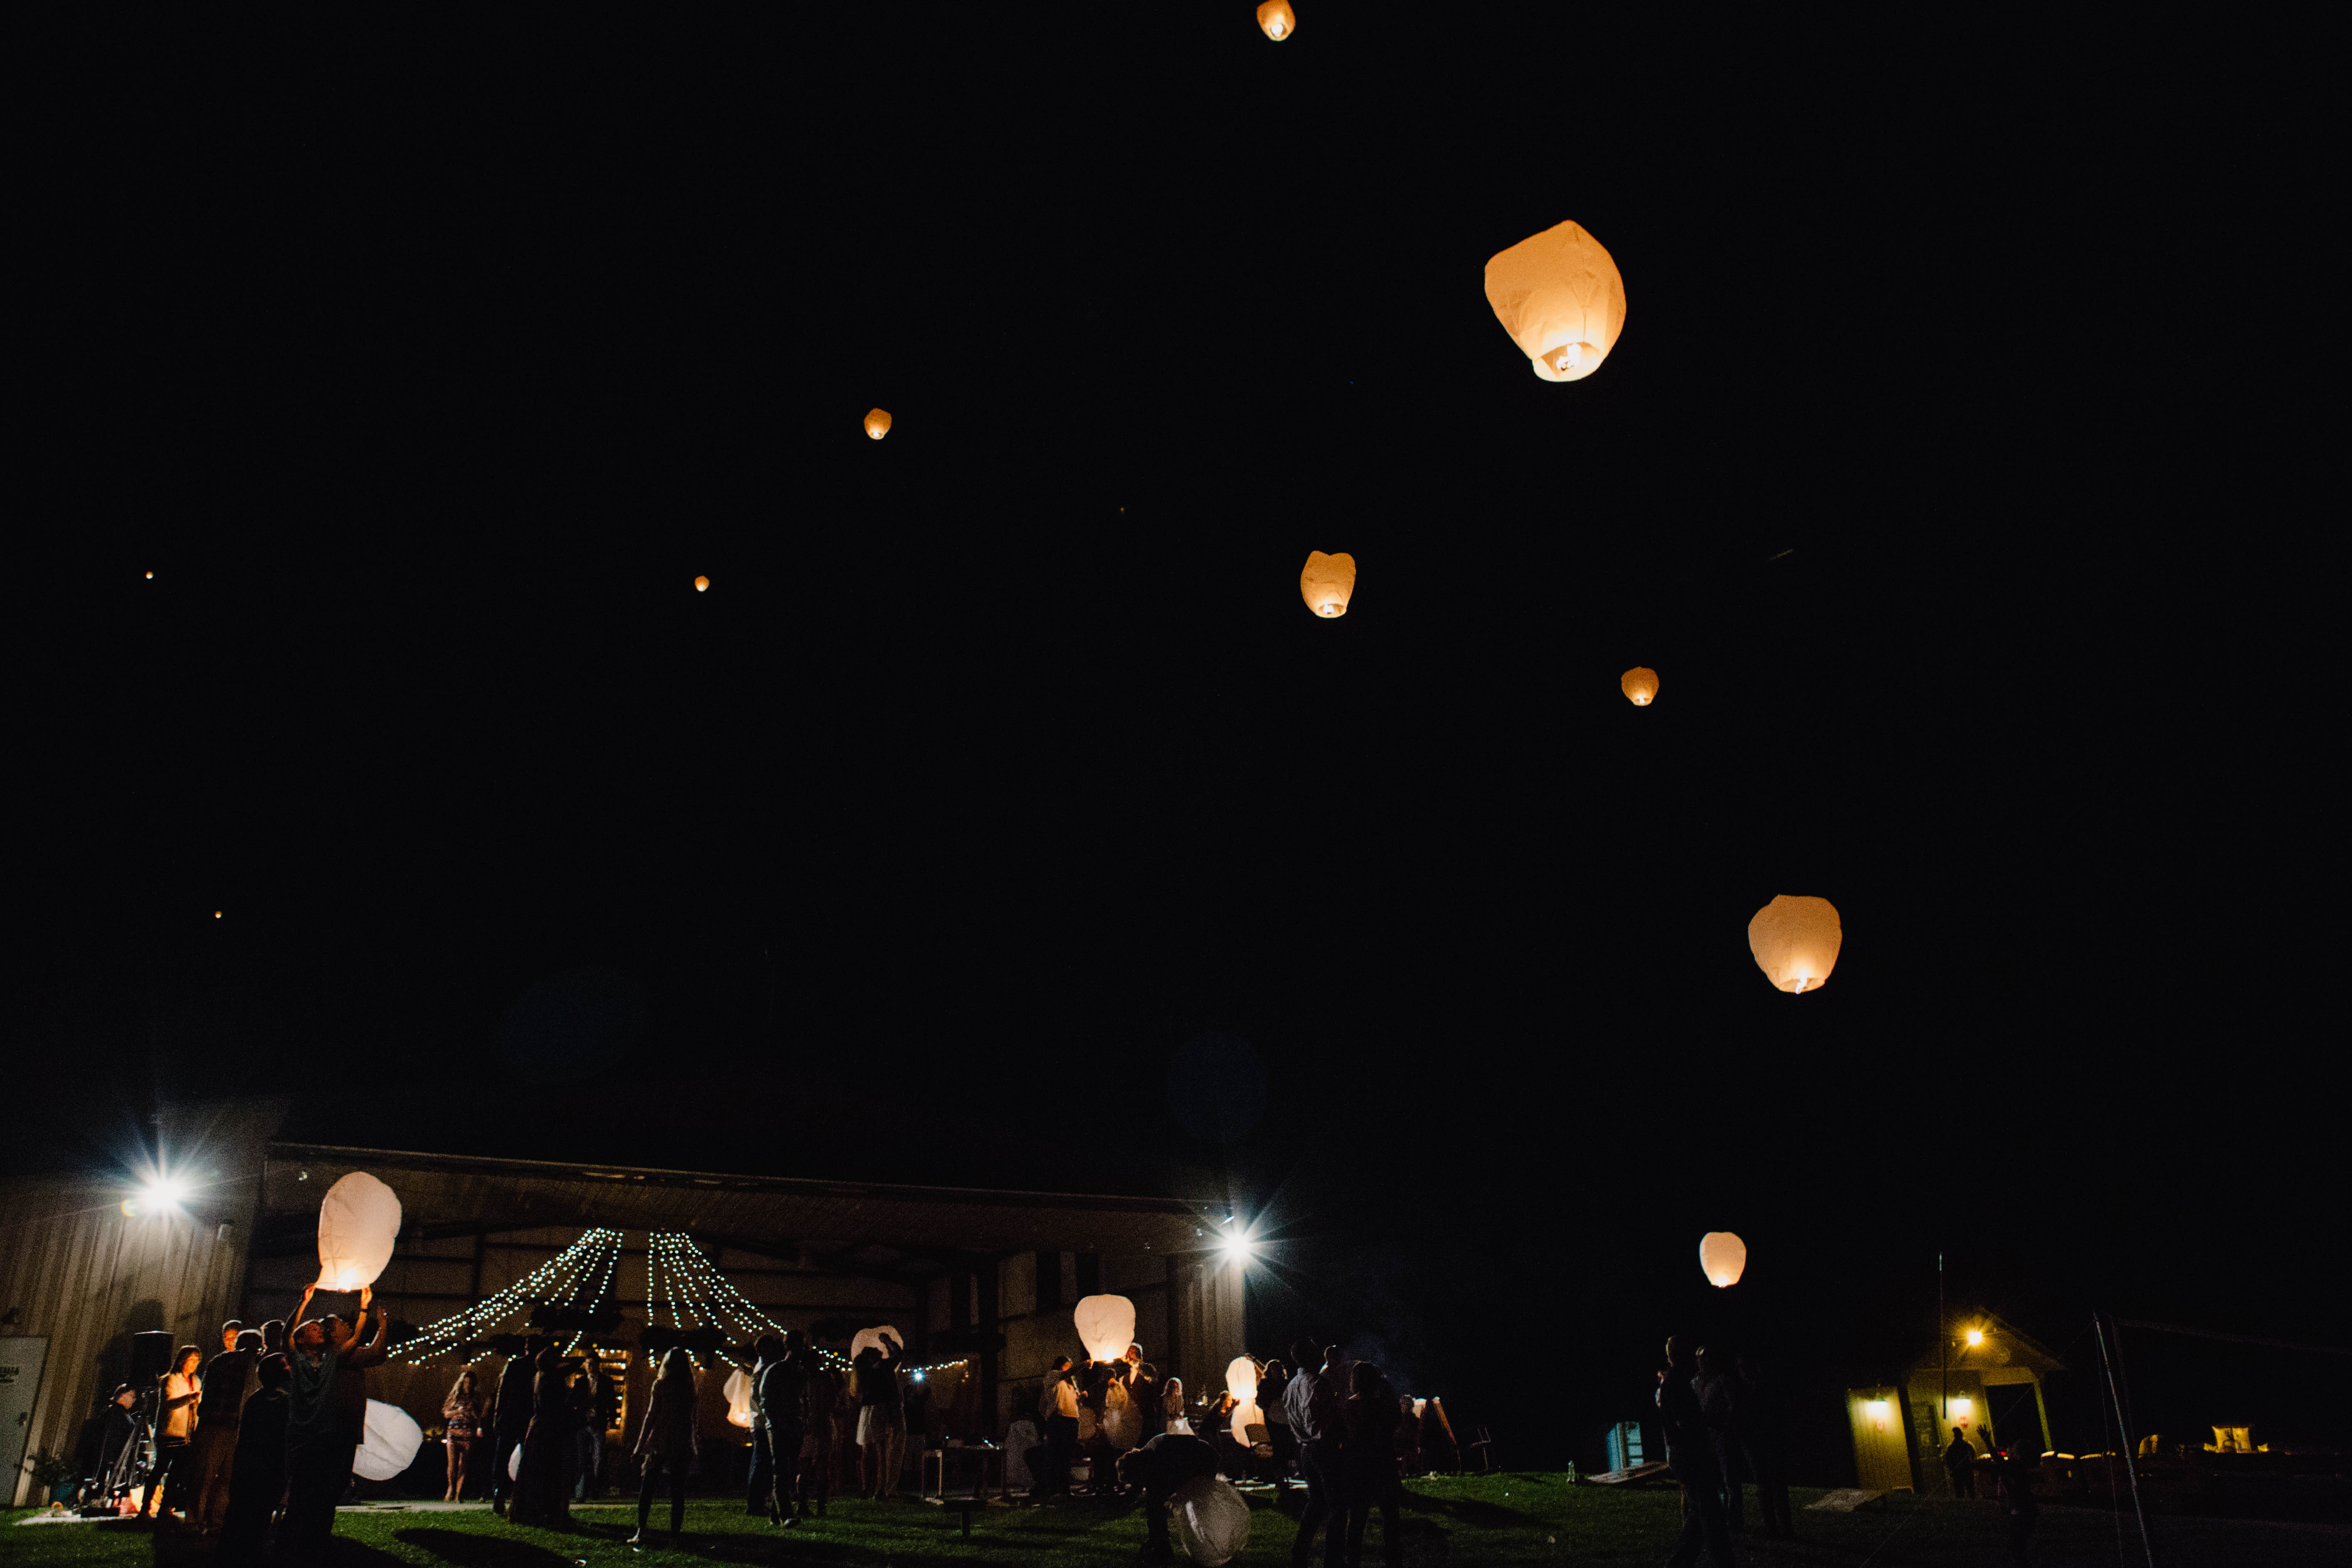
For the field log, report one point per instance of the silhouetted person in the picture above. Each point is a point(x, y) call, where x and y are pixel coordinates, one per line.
point(1159, 1467)
point(1960, 1465)
point(1718, 1400)
point(667, 1443)
point(219, 1413)
point(258, 1473)
point(1370, 1461)
point(1057, 1403)
point(817, 1457)
point(1762, 1430)
point(542, 1498)
point(881, 1419)
point(2014, 1465)
point(122, 1423)
point(1690, 1454)
point(510, 1418)
point(780, 1397)
point(1318, 1423)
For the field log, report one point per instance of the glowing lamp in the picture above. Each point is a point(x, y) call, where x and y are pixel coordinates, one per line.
point(878, 423)
point(702, 585)
point(1877, 1410)
point(1105, 1326)
point(1723, 1258)
point(1639, 685)
point(739, 1398)
point(1795, 941)
point(1560, 296)
point(1278, 19)
point(1963, 1406)
point(1236, 1247)
point(1211, 1519)
point(389, 1448)
point(1327, 583)
point(1976, 1336)
point(359, 1219)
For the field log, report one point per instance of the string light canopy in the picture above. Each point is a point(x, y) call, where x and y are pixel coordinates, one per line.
point(1560, 296)
point(878, 423)
point(1639, 685)
point(685, 1288)
point(1277, 19)
point(579, 1276)
point(1329, 582)
point(1723, 1258)
point(1795, 939)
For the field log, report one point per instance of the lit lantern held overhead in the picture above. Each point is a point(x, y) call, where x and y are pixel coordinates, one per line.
point(1105, 1326)
point(359, 1219)
point(1722, 1257)
point(878, 423)
point(1639, 685)
point(1559, 295)
point(702, 585)
point(1327, 583)
point(1795, 939)
point(1278, 19)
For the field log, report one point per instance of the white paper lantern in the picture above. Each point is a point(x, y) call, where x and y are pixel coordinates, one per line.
point(1723, 1256)
point(391, 1442)
point(1796, 939)
point(1560, 296)
point(1328, 584)
point(1213, 1519)
point(1105, 1326)
point(359, 1219)
point(871, 1338)
point(739, 1398)
point(514, 1464)
point(1241, 1382)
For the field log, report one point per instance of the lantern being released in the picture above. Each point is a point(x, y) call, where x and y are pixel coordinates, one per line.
point(1278, 19)
point(1241, 1382)
point(1795, 939)
point(739, 1398)
point(1105, 1326)
point(1211, 1518)
point(359, 1219)
point(1327, 583)
point(871, 1338)
point(1723, 1258)
point(1639, 685)
point(878, 423)
point(1559, 295)
point(393, 1438)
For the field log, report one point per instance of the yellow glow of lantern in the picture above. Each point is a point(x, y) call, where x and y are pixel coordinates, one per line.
point(878, 423)
point(1278, 19)
point(359, 1219)
point(1723, 1256)
point(1639, 685)
point(739, 1398)
point(1328, 584)
point(1241, 1382)
point(1795, 939)
point(702, 585)
point(1560, 296)
point(1106, 1325)
point(1976, 1336)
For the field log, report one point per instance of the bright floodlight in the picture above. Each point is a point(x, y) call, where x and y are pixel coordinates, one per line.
point(1237, 1247)
point(165, 1194)
point(1976, 1336)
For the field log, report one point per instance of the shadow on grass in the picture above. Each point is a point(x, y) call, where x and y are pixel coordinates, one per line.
point(469, 1550)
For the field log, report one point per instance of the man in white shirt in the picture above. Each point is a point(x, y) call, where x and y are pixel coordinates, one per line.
point(1058, 1403)
point(1318, 1421)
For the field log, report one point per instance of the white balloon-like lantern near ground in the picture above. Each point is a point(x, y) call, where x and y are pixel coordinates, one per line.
point(1723, 1256)
point(1796, 939)
point(391, 1442)
point(739, 1398)
point(1106, 1325)
point(1241, 1382)
point(1560, 297)
point(1213, 1519)
point(1328, 584)
point(359, 1219)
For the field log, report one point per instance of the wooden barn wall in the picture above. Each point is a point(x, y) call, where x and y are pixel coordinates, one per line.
point(79, 1273)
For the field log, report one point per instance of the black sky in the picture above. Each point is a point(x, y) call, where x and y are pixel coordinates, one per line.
point(1951, 472)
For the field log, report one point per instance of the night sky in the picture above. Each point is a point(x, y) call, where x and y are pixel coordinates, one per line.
point(1951, 471)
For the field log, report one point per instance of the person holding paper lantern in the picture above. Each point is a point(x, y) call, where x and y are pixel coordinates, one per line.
point(319, 1434)
point(881, 1418)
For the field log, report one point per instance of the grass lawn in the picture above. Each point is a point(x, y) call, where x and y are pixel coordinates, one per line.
point(1460, 1521)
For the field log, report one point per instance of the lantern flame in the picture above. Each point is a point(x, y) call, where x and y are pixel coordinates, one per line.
point(1723, 1258)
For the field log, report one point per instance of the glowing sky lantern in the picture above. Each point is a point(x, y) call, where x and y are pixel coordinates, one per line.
point(1329, 582)
point(878, 423)
point(359, 1219)
point(1106, 1325)
point(1640, 686)
point(1722, 1256)
point(1560, 296)
point(389, 1448)
point(702, 585)
point(1241, 1382)
point(738, 1389)
point(1278, 19)
point(873, 1338)
point(1795, 939)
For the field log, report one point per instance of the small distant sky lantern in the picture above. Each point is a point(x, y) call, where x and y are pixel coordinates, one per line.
point(1105, 1326)
point(1723, 1258)
point(1278, 19)
point(1241, 1382)
point(878, 423)
point(739, 1398)
point(702, 585)
point(1329, 582)
point(1795, 941)
point(359, 1219)
point(1640, 686)
point(1559, 295)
